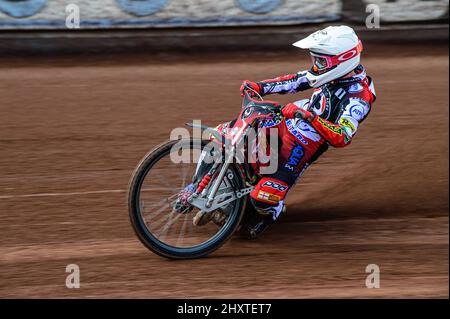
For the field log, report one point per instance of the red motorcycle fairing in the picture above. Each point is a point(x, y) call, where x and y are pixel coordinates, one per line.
point(254, 113)
point(267, 113)
point(260, 115)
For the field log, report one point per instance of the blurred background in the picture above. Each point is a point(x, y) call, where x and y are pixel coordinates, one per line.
point(88, 87)
point(156, 25)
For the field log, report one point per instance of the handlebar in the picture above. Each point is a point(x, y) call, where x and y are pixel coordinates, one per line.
point(248, 88)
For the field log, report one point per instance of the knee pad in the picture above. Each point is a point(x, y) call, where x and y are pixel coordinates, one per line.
point(268, 192)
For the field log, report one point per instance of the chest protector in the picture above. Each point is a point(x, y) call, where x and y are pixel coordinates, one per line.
point(327, 101)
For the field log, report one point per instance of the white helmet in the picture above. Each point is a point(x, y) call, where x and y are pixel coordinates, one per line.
point(335, 52)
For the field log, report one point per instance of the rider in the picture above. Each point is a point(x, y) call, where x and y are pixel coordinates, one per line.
point(341, 100)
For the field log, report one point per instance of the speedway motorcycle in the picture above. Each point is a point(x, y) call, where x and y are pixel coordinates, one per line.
point(188, 209)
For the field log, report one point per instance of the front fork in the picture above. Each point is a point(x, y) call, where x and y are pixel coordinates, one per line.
point(218, 181)
point(204, 183)
point(209, 176)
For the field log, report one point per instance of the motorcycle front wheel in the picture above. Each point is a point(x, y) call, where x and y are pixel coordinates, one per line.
point(155, 187)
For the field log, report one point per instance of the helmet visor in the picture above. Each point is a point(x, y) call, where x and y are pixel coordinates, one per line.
point(321, 62)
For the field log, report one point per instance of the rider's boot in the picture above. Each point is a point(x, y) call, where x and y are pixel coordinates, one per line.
point(267, 216)
point(218, 217)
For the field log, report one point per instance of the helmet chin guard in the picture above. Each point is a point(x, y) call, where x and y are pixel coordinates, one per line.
point(315, 80)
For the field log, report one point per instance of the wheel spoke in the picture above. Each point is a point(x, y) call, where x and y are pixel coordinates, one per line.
point(161, 202)
point(162, 208)
point(162, 179)
point(170, 222)
point(183, 227)
point(184, 174)
point(159, 189)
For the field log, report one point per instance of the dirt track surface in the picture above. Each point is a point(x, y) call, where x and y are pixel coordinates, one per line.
point(72, 130)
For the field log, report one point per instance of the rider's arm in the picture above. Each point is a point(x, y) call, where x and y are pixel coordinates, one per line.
point(292, 83)
point(341, 134)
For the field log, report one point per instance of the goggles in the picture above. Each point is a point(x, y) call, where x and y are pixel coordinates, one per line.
point(324, 62)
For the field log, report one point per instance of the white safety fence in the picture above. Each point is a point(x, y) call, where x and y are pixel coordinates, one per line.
point(49, 14)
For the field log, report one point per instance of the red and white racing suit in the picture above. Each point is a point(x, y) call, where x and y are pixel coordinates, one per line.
point(341, 106)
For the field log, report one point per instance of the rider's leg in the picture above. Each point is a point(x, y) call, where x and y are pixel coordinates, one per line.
point(269, 194)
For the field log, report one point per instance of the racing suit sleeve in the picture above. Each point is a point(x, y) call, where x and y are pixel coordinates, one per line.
point(292, 83)
point(341, 133)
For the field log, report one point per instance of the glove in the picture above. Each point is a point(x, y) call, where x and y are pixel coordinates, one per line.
point(248, 84)
point(291, 111)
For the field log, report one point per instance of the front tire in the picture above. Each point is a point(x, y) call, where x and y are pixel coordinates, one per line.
point(148, 237)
